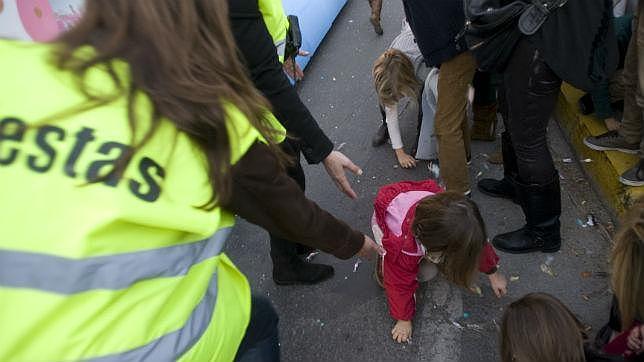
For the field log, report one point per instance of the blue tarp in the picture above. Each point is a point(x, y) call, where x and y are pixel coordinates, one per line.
point(316, 18)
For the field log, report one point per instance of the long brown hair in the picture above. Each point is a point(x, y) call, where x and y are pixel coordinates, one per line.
point(627, 260)
point(394, 77)
point(182, 56)
point(539, 328)
point(452, 224)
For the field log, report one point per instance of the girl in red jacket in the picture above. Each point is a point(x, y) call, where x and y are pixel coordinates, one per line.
point(425, 230)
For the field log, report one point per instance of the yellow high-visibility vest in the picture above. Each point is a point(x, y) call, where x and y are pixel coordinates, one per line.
point(276, 23)
point(128, 268)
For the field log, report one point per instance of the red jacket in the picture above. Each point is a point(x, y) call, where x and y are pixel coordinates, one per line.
point(394, 210)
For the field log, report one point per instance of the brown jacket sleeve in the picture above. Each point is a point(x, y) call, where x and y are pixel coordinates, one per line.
point(264, 195)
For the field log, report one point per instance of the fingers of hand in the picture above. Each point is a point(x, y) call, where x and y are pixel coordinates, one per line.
point(401, 334)
point(352, 167)
point(407, 162)
point(345, 186)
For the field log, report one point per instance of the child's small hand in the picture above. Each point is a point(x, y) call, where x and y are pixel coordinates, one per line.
point(499, 284)
point(405, 160)
point(402, 331)
point(636, 340)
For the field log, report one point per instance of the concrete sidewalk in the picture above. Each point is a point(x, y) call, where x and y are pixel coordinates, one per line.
point(346, 319)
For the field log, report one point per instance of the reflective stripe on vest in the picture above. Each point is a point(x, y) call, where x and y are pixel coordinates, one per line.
point(276, 23)
point(173, 345)
point(68, 276)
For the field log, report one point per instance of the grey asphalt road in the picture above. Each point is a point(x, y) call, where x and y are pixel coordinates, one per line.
point(346, 319)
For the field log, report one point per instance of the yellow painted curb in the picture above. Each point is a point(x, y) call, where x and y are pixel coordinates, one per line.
point(606, 167)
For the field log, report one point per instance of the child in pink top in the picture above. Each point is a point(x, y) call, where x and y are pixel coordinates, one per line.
point(423, 228)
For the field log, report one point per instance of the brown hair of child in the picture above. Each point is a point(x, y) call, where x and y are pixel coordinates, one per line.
point(451, 223)
point(394, 77)
point(627, 260)
point(539, 328)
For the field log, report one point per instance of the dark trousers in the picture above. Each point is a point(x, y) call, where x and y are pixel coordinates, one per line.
point(531, 92)
point(261, 341)
point(282, 250)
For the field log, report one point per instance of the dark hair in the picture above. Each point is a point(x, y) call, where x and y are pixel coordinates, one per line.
point(539, 328)
point(451, 223)
point(181, 55)
point(627, 263)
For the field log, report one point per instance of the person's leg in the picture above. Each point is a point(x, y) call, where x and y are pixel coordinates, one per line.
point(454, 79)
point(261, 341)
point(628, 137)
point(419, 119)
point(288, 268)
point(484, 107)
point(427, 143)
point(631, 129)
point(382, 134)
point(635, 176)
point(466, 129)
point(376, 8)
point(503, 188)
point(531, 97)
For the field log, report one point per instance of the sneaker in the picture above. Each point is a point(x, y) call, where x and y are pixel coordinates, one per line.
point(611, 141)
point(634, 176)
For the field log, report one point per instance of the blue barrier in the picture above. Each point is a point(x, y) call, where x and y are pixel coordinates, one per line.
point(316, 18)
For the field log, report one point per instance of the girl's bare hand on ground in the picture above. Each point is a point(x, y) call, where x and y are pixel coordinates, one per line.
point(405, 160)
point(402, 331)
point(499, 284)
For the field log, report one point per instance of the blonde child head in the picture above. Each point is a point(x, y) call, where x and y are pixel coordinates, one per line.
point(539, 328)
point(394, 77)
point(627, 260)
point(451, 228)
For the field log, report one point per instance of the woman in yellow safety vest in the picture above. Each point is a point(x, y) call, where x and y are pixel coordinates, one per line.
point(126, 147)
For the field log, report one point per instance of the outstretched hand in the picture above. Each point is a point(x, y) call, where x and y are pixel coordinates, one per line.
point(370, 249)
point(336, 163)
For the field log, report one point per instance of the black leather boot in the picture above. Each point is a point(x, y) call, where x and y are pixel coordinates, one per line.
point(289, 269)
point(381, 136)
point(503, 188)
point(297, 271)
point(541, 205)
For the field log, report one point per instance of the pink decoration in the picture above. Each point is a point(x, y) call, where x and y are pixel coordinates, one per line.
point(38, 19)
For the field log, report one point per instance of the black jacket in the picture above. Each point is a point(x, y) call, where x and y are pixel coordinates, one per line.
point(260, 56)
point(436, 24)
point(578, 42)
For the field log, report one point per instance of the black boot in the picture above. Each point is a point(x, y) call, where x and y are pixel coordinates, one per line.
point(503, 188)
point(304, 250)
point(297, 271)
point(289, 269)
point(542, 207)
point(381, 136)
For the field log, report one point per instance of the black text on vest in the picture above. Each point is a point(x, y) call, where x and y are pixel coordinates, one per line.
point(49, 140)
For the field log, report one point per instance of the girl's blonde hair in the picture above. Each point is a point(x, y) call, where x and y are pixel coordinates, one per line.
point(394, 77)
point(539, 328)
point(627, 260)
point(451, 223)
